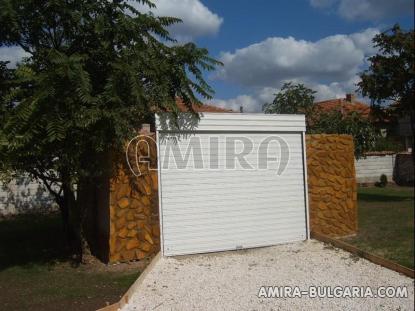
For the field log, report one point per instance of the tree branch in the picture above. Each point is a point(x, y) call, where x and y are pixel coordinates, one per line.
point(48, 183)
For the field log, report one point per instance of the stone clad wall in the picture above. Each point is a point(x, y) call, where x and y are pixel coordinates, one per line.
point(332, 184)
point(134, 218)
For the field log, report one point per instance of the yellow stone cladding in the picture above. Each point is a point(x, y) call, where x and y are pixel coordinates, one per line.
point(134, 219)
point(332, 184)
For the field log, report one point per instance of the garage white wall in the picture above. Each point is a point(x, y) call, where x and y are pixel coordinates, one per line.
point(204, 210)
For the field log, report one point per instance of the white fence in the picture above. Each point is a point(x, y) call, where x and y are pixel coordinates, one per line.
point(369, 169)
point(23, 195)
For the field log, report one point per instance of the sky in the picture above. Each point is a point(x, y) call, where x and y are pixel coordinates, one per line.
point(323, 44)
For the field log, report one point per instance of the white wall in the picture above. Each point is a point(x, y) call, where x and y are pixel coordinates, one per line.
point(23, 195)
point(369, 169)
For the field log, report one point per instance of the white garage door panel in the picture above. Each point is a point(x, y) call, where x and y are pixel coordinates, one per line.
point(184, 179)
point(232, 190)
point(252, 239)
point(207, 210)
point(250, 208)
point(237, 122)
point(201, 228)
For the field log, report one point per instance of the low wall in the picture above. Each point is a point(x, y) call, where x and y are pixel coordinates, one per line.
point(369, 169)
point(331, 185)
point(23, 195)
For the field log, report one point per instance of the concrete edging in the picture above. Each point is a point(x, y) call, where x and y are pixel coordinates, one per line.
point(126, 297)
point(361, 253)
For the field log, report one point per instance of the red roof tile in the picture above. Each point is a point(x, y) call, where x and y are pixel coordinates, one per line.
point(202, 108)
point(344, 106)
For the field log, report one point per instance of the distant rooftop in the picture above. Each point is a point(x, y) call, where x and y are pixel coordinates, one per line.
point(345, 105)
point(202, 108)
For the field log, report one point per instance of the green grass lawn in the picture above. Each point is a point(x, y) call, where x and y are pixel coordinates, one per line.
point(36, 273)
point(386, 223)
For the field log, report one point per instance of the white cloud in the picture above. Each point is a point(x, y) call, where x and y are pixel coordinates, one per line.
point(267, 63)
point(12, 54)
point(255, 101)
point(260, 96)
point(367, 9)
point(249, 103)
point(329, 66)
point(363, 40)
point(197, 19)
point(334, 89)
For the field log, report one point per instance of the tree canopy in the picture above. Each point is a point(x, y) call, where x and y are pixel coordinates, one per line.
point(390, 78)
point(292, 98)
point(95, 71)
point(335, 122)
point(297, 98)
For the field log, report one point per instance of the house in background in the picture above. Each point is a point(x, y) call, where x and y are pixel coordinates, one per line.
point(350, 104)
point(396, 129)
point(344, 105)
point(395, 164)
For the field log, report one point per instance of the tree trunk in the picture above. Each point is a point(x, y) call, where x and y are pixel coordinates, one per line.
point(71, 219)
point(64, 210)
point(84, 200)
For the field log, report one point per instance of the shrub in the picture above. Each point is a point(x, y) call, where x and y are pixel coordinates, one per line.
point(387, 144)
point(354, 124)
point(383, 181)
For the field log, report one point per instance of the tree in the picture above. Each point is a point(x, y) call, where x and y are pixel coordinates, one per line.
point(335, 122)
point(293, 98)
point(391, 73)
point(300, 99)
point(96, 70)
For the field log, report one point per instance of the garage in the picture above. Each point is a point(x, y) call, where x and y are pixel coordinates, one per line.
point(231, 181)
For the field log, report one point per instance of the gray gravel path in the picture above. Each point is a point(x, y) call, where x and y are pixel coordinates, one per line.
point(231, 280)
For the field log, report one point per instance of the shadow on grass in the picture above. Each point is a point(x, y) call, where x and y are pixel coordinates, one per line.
point(388, 194)
point(375, 197)
point(26, 240)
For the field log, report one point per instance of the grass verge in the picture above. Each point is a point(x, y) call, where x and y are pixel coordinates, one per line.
point(386, 223)
point(36, 273)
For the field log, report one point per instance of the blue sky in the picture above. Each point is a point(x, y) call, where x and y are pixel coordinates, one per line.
point(249, 22)
point(321, 43)
point(264, 43)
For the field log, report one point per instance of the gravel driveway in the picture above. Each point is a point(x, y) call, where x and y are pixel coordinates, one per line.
point(231, 280)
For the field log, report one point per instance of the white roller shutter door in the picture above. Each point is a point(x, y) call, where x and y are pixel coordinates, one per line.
point(206, 206)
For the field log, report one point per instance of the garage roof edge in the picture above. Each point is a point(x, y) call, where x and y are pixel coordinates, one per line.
point(228, 122)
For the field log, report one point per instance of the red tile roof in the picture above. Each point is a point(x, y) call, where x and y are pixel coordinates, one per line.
point(202, 108)
point(344, 106)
